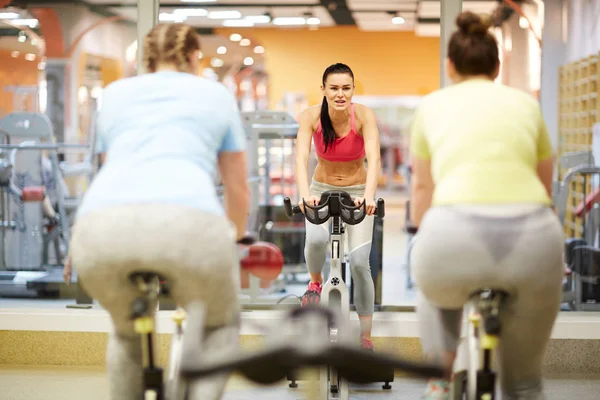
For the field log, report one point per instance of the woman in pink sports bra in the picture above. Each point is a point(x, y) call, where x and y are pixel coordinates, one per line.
point(344, 135)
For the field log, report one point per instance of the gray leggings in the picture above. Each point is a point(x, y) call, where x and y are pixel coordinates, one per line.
point(358, 249)
point(194, 250)
point(515, 248)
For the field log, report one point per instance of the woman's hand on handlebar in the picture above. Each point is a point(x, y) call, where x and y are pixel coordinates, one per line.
point(370, 206)
point(310, 200)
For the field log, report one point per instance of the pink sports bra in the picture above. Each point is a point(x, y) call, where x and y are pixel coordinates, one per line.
point(348, 148)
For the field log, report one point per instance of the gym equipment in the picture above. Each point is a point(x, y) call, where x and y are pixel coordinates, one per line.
point(582, 252)
point(271, 136)
point(340, 208)
point(151, 287)
point(28, 266)
point(298, 342)
point(478, 380)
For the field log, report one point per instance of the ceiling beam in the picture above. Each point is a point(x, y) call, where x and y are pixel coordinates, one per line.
point(339, 11)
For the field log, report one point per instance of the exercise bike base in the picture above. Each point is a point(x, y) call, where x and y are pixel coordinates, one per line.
point(385, 376)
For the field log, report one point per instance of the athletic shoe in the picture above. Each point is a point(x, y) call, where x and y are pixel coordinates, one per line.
point(312, 294)
point(437, 390)
point(366, 344)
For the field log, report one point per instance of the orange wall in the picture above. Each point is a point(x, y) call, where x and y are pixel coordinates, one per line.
point(384, 63)
point(15, 71)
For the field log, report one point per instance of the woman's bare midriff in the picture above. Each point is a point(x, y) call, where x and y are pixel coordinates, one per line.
point(341, 173)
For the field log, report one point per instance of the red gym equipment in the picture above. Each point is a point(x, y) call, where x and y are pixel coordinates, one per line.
point(264, 260)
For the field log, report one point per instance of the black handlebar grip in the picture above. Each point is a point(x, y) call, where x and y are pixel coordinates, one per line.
point(247, 240)
point(380, 208)
point(411, 229)
point(287, 206)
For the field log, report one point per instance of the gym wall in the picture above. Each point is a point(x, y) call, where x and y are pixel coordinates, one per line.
point(14, 72)
point(583, 29)
point(384, 63)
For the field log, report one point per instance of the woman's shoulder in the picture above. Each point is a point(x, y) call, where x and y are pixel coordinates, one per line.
point(362, 112)
point(311, 115)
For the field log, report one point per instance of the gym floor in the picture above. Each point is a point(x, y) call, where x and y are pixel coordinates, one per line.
point(65, 383)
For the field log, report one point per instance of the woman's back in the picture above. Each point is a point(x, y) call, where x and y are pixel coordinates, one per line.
point(162, 133)
point(484, 141)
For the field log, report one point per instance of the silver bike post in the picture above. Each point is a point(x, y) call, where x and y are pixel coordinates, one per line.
point(335, 295)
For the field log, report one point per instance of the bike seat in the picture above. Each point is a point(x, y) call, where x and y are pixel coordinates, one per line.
point(489, 294)
point(145, 276)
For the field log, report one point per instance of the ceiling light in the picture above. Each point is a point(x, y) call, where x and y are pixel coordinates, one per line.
point(30, 22)
point(14, 54)
point(248, 61)
point(217, 62)
point(398, 20)
point(191, 12)
point(166, 17)
point(34, 42)
point(237, 23)
point(8, 15)
point(42, 66)
point(259, 50)
point(289, 21)
point(235, 37)
point(245, 42)
point(22, 38)
point(30, 57)
point(224, 14)
point(258, 19)
point(200, 55)
point(313, 21)
point(221, 50)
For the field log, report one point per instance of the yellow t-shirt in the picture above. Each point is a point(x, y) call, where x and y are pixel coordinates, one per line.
point(484, 141)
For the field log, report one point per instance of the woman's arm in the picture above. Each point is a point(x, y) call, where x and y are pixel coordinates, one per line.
point(303, 143)
point(370, 134)
point(421, 189)
point(545, 165)
point(233, 170)
point(422, 185)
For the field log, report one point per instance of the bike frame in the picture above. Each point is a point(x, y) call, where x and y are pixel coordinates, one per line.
point(335, 296)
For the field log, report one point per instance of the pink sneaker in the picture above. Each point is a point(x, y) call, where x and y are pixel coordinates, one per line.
point(366, 344)
point(312, 294)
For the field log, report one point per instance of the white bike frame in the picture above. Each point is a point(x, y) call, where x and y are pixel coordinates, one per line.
point(335, 296)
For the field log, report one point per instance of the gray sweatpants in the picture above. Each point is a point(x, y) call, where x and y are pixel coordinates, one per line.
point(518, 249)
point(360, 237)
point(194, 250)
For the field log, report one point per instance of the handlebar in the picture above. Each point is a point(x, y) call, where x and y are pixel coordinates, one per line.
point(284, 353)
point(338, 203)
point(247, 240)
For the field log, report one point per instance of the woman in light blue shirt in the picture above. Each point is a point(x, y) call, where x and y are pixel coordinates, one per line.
point(153, 205)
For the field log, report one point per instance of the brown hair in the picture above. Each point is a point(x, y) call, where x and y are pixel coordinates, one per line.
point(473, 49)
point(170, 44)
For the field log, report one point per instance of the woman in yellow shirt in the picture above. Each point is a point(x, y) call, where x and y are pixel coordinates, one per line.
point(481, 185)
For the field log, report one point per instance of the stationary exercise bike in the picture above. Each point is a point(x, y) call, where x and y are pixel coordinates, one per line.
point(152, 286)
point(340, 208)
point(296, 342)
point(477, 381)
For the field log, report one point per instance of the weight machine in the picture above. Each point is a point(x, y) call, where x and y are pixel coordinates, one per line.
point(29, 266)
point(576, 199)
point(271, 140)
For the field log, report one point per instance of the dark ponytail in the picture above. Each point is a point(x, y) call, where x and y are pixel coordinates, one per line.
point(326, 124)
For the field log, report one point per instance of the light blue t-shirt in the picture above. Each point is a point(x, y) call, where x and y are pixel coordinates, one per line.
point(162, 134)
